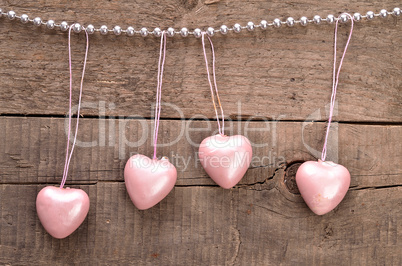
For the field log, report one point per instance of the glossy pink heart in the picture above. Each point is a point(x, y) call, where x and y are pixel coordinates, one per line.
point(225, 159)
point(61, 210)
point(322, 185)
point(148, 181)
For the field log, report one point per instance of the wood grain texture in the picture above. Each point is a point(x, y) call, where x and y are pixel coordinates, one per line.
point(291, 66)
point(33, 149)
point(208, 226)
point(273, 84)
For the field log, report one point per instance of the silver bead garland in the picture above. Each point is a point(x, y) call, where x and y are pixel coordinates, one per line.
point(210, 31)
point(237, 28)
point(64, 26)
point(331, 19)
point(157, 32)
point(303, 21)
point(170, 32)
point(24, 18)
point(129, 31)
point(184, 32)
point(263, 24)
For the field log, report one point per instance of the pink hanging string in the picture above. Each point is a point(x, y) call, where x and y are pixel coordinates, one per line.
point(335, 80)
point(221, 128)
point(69, 154)
point(161, 65)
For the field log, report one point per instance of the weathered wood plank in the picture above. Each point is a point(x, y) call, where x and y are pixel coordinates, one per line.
point(284, 72)
point(32, 150)
point(280, 74)
point(208, 226)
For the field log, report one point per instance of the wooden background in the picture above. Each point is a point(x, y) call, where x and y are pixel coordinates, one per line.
point(279, 78)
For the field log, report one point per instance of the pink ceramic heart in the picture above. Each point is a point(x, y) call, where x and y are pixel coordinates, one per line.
point(322, 185)
point(225, 159)
point(61, 210)
point(148, 181)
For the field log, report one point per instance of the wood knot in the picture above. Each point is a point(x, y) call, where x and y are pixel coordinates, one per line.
point(328, 231)
point(290, 177)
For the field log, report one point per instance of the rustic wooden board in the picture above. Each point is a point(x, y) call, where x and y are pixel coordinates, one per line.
point(208, 226)
point(290, 66)
point(33, 149)
point(283, 75)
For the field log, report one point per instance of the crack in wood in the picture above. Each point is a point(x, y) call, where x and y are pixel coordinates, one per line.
point(243, 186)
point(209, 119)
point(262, 184)
point(275, 212)
point(237, 239)
point(374, 187)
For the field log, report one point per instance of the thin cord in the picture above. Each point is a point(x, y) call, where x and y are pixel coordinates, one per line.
point(221, 129)
point(161, 65)
point(335, 80)
point(68, 156)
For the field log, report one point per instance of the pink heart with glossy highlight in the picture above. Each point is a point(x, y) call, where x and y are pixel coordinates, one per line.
point(322, 185)
point(148, 181)
point(225, 159)
point(61, 210)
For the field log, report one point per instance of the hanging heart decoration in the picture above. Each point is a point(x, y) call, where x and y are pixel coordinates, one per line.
point(224, 158)
point(322, 184)
point(148, 181)
point(62, 210)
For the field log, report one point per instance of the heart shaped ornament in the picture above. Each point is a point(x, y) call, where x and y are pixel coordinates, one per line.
point(322, 185)
point(225, 159)
point(148, 181)
point(61, 210)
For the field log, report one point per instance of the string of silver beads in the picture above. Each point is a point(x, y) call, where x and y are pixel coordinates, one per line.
point(210, 31)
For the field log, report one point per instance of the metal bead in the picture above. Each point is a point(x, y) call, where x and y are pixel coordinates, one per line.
point(264, 24)
point(370, 15)
point(224, 29)
point(50, 24)
point(303, 21)
point(24, 18)
point(117, 30)
point(1, 12)
point(250, 26)
point(210, 31)
point(277, 23)
point(317, 19)
point(37, 21)
point(237, 28)
point(343, 18)
point(144, 32)
point(330, 19)
point(64, 26)
point(396, 12)
point(11, 15)
point(90, 29)
point(290, 22)
point(157, 32)
point(184, 32)
point(77, 28)
point(170, 32)
point(197, 33)
point(103, 30)
point(383, 13)
point(357, 17)
point(130, 31)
